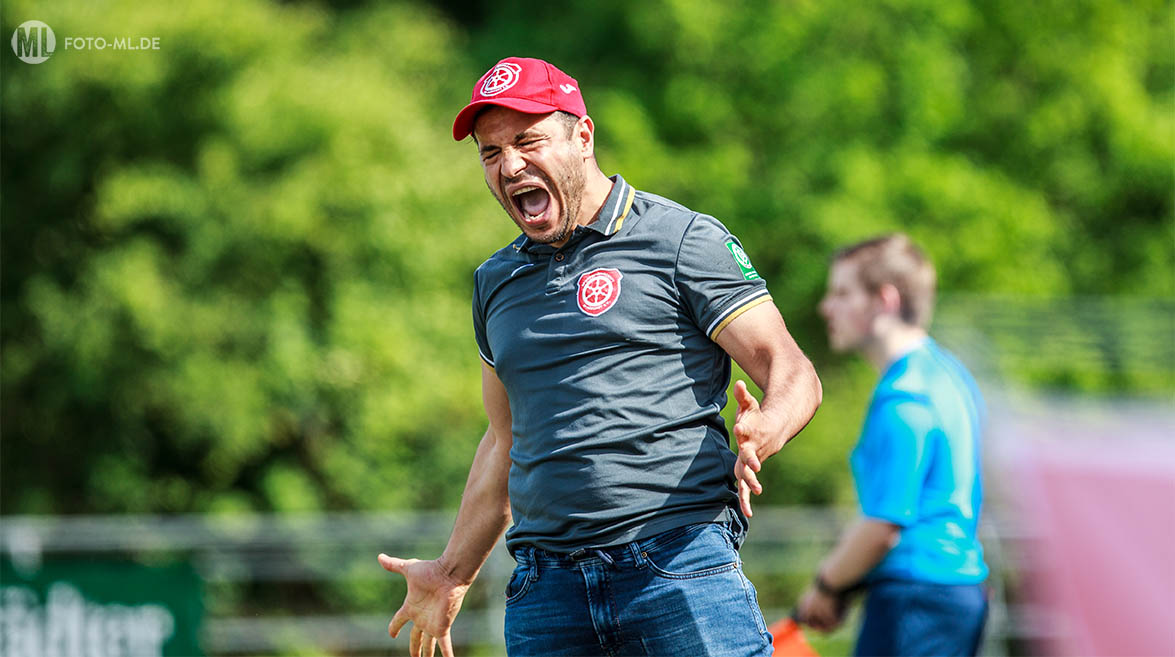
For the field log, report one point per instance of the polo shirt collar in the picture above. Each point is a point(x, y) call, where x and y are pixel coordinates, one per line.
point(612, 214)
point(615, 209)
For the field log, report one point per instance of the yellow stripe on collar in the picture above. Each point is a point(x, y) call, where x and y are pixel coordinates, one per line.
point(627, 207)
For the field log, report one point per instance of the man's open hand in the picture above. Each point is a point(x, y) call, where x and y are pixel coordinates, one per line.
point(431, 604)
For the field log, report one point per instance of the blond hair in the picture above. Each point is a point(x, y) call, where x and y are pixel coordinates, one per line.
point(896, 260)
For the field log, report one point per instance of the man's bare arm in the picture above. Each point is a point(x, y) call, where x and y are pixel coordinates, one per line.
point(862, 546)
point(759, 342)
point(437, 588)
point(485, 505)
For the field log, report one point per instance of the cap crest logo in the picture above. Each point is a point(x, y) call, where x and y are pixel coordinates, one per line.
point(598, 291)
point(500, 78)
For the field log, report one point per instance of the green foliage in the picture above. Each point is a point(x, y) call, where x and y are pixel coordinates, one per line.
point(1027, 146)
point(238, 269)
point(1006, 137)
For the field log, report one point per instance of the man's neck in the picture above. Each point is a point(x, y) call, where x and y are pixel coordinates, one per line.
point(892, 343)
point(595, 194)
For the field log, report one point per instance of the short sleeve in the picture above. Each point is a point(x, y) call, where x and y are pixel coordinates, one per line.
point(714, 276)
point(891, 459)
point(479, 324)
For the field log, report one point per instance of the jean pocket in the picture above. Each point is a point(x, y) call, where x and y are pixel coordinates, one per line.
point(519, 584)
point(698, 552)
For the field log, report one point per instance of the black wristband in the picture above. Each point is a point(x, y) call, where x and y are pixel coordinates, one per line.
point(823, 587)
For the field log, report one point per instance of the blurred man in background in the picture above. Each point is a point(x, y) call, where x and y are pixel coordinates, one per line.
point(606, 331)
point(916, 467)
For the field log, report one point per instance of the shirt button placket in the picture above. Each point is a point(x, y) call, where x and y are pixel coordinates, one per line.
point(555, 280)
point(558, 267)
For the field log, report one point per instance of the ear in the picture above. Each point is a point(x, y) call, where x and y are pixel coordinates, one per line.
point(585, 136)
point(891, 299)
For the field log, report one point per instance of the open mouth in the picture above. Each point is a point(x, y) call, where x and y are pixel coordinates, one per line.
point(532, 203)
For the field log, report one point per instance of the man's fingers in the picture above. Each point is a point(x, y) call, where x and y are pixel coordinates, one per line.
point(823, 618)
point(447, 645)
point(744, 497)
point(828, 624)
point(745, 472)
point(746, 466)
point(814, 619)
point(746, 401)
point(432, 646)
point(398, 622)
point(414, 641)
point(746, 404)
point(742, 395)
point(742, 432)
point(749, 458)
point(392, 564)
point(752, 481)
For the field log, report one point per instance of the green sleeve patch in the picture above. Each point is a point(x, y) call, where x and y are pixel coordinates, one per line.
point(743, 262)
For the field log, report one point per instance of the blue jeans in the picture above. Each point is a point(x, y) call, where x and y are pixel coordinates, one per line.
point(681, 592)
point(920, 618)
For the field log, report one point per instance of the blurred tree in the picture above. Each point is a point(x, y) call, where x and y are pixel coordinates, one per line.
point(237, 269)
point(1027, 146)
point(1010, 138)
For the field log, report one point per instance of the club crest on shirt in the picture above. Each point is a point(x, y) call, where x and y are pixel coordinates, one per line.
point(598, 291)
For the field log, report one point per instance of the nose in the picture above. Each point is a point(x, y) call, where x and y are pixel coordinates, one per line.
point(823, 308)
point(512, 163)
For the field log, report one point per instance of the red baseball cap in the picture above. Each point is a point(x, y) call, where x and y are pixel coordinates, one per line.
point(531, 86)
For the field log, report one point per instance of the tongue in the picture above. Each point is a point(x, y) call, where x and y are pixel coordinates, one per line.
point(534, 202)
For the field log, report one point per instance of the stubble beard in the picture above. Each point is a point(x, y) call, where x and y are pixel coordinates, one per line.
point(568, 191)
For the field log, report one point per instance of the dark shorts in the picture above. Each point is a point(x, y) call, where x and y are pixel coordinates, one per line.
point(919, 618)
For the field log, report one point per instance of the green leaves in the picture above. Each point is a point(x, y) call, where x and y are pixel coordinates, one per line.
point(237, 270)
point(268, 268)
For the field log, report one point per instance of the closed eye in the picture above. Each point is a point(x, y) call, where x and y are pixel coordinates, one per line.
point(529, 138)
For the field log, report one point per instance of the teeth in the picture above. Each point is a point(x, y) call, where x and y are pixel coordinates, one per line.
point(523, 190)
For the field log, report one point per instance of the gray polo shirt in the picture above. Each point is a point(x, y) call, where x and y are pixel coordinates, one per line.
point(606, 350)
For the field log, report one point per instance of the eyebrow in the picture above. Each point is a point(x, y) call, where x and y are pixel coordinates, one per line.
point(525, 134)
point(529, 132)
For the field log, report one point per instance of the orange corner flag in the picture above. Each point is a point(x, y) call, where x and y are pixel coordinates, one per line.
point(789, 639)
